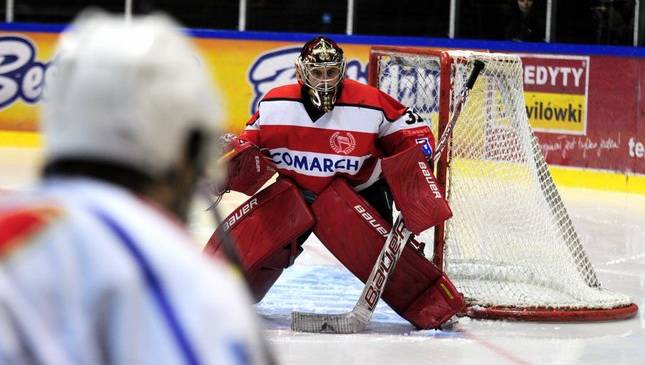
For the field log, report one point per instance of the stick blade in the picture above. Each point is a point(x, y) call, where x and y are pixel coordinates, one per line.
point(327, 323)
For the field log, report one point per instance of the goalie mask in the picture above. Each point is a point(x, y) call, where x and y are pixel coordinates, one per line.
point(320, 69)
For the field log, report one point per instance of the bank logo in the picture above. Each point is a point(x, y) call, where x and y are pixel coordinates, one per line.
point(277, 67)
point(342, 142)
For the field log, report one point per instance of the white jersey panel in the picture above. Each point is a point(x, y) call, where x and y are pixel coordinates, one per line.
point(316, 164)
point(409, 120)
point(119, 282)
point(344, 118)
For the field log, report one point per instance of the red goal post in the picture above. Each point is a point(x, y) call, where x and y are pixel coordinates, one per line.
point(376, 53)
point(511, 247)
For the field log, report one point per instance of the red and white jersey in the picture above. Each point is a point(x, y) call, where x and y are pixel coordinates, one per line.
point(365, 125)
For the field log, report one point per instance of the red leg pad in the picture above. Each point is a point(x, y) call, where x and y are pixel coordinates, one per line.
point(415, 190)
point(264, 230)
point(436, 305)
point(355, 233)
point(266, 273)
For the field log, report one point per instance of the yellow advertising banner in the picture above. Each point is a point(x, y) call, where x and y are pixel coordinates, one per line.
point(558, 112)
point(23, 73)
point(555, 92)
point(242, 71)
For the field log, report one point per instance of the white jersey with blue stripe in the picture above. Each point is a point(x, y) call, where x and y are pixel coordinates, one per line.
point(114, 280)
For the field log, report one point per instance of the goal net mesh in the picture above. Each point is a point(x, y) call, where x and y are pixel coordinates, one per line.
point(511, 244)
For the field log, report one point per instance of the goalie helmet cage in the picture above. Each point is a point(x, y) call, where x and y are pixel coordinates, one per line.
point(510, 246)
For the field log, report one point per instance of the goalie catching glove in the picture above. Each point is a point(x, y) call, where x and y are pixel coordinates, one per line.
point(248, 168)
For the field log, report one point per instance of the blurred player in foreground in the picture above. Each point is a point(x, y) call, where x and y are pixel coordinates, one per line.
point(98, 253)
point(328, 138)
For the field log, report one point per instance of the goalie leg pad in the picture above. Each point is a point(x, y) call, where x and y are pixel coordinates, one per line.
point(355, 233)
point(436, 305)
point(415, 190)
point(264, 250)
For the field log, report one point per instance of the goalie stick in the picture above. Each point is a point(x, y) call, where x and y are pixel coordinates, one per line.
point(478, 66)
point(358, 318)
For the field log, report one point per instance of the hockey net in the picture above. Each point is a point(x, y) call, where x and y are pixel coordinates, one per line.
point(511, 247)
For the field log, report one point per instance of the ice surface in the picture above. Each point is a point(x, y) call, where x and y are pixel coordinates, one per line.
point(611, 225)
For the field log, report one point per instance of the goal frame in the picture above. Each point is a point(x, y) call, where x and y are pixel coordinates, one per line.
point(441, 167)
point(489, 312)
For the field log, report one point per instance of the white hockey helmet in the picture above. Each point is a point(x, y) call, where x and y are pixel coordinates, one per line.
point(128, 92)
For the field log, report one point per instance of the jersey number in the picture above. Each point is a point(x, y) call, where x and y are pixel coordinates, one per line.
point(413, 117)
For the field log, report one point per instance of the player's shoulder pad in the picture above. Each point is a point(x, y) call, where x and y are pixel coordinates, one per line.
point(19, 225)
point(355, 93)
point(284, 92)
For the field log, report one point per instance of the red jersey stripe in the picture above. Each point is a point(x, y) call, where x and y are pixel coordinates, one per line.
point(350, 143)
point(16, 227)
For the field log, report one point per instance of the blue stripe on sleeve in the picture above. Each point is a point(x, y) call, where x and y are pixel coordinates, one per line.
point(156, 289)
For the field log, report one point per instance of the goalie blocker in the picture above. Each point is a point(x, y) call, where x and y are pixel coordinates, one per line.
point(415, 190)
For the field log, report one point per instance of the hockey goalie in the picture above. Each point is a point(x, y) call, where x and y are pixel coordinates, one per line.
point(343, 151)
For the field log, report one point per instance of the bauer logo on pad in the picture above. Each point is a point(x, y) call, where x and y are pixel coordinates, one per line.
point(425, 170)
